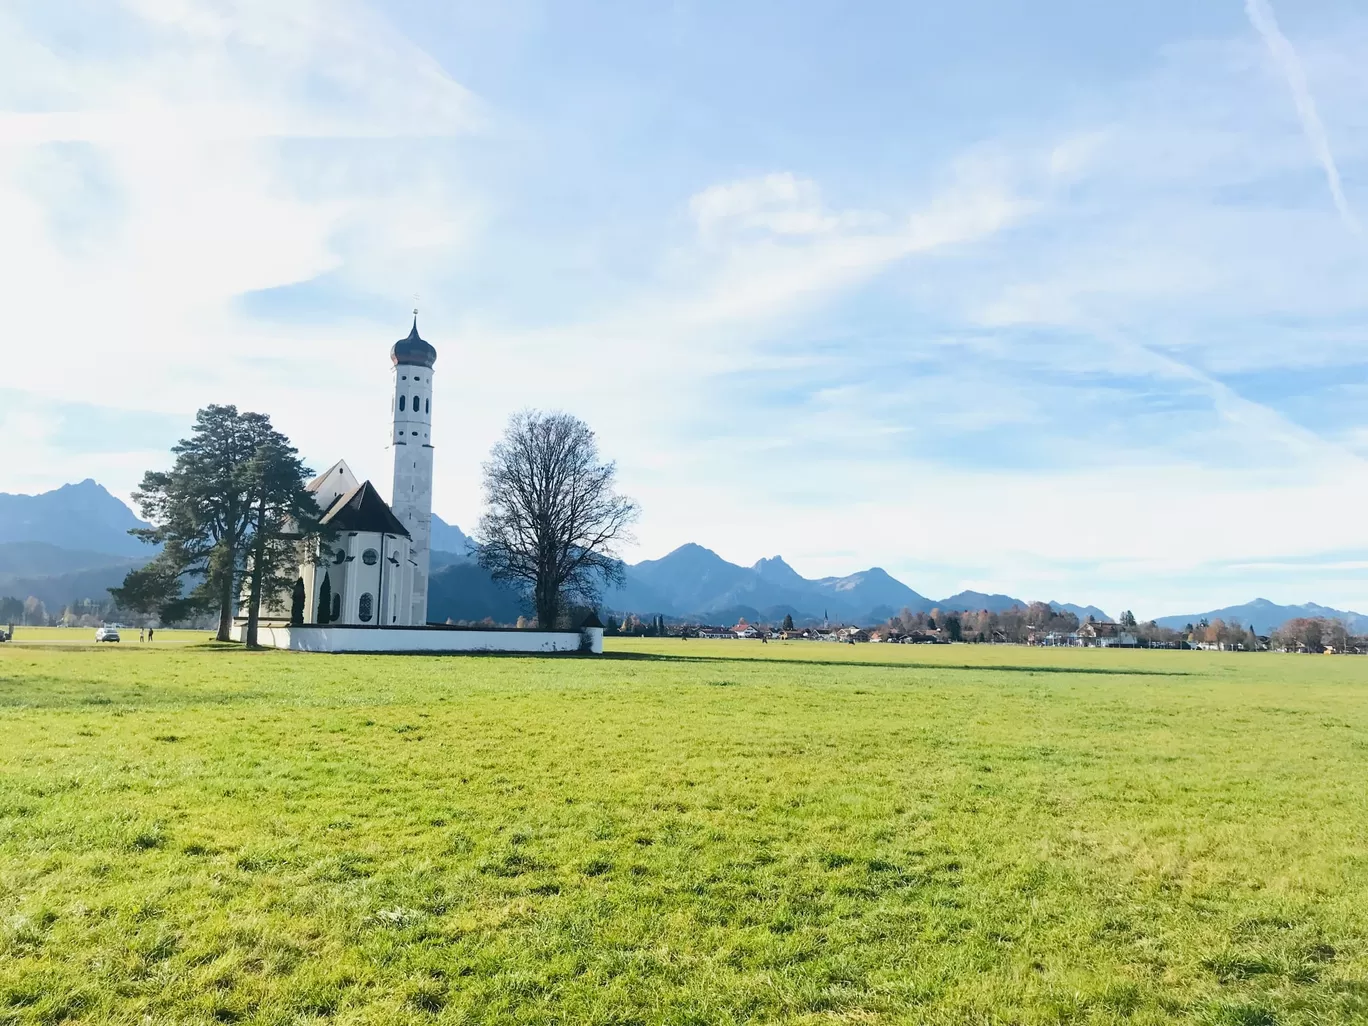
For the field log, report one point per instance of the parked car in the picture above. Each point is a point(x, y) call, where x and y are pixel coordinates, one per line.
point(106, 634)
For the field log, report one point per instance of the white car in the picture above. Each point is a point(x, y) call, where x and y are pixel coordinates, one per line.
point(106, 634)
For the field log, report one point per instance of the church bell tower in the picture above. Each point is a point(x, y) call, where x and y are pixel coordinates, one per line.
point(411, 439)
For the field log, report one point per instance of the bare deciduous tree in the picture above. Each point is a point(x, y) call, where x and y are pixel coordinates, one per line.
point(552, 516)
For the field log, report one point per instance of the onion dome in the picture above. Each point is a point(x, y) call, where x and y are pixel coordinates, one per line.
point(413, 351)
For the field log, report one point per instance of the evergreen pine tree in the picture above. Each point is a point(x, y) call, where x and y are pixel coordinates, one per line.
point(324, 599)
point(297, 602)
point(283, 513)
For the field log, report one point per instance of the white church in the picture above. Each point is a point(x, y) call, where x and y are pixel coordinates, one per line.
point(366, 588)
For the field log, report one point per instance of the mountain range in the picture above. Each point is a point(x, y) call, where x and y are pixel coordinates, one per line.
point(696, 583)
point(1265, 616)
point(68, 544)
point(82, 517)
point(73, 543)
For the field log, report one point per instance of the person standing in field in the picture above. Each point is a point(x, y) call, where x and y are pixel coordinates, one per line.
point(142, 634)
point(149, 634)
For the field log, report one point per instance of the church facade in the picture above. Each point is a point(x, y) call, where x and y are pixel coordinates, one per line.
point(373, 571)
point(365, 588)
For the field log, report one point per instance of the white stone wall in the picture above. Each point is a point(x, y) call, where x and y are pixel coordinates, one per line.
point(411, 498)
point(393, 640)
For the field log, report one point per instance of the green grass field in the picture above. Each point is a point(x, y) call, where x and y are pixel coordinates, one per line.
point(683, 832)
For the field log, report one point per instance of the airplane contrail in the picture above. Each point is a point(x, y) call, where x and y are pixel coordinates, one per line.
point(1261, 16)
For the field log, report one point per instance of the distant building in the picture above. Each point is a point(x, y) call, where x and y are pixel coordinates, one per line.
point(709, 631)
point(1104, 634)
point(1053, 639)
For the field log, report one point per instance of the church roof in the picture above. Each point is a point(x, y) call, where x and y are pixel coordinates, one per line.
point(339, 468)
point(413, 350)
point(362, 509)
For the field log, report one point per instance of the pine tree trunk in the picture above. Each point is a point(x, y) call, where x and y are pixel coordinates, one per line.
point(226, 599)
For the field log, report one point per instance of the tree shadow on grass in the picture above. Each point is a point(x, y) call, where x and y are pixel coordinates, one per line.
point(1104, 671)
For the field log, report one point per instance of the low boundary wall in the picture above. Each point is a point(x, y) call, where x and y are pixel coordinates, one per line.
point(422, 639)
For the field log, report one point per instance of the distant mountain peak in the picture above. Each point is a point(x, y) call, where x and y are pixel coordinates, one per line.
point(774, 565)
point(82, 516)
point(690, 548)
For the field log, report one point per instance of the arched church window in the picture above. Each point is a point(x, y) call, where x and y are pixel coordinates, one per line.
point(416, 404)
point(427, 405)
point(363, 609)
point(401, 403)
point(337, 607)
point(370, 557)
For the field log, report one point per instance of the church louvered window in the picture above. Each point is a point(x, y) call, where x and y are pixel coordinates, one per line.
point(363, 610)
point(401, 403)
point(416, 404)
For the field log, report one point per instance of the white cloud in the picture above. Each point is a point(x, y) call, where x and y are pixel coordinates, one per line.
point(1261, 15)
point(236, 152)
point(781, 203)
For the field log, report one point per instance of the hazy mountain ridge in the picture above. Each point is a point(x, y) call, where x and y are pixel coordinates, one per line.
point(695, 582)
point(82, 517)
point(43, 559)
point(1082, 612)
point(449, 538)
point(58, 590)
point(69, 544)
point(73, 543)
point(1265, 616)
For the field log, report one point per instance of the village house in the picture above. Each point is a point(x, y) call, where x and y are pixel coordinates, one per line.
point(1104, 634)
point(711, 631)
point(1053, 639)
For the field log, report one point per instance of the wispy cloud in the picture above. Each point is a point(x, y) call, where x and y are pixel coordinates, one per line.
point(1261, 15)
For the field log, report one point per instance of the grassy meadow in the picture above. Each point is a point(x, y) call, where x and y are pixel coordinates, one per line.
point(682, 832)
point(86, 635)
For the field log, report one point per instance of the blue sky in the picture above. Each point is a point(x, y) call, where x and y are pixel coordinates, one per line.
point(1068, 300)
